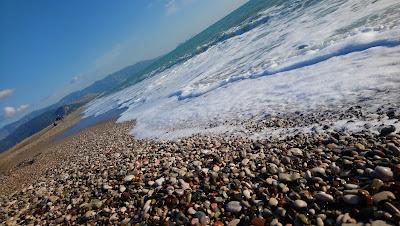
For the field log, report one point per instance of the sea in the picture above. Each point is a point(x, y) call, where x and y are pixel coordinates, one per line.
point(266, 57)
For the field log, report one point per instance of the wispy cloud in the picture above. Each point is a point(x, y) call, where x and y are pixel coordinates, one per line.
point(5, 93)
point(173, 6)
point(12, 111)
point(74, 79)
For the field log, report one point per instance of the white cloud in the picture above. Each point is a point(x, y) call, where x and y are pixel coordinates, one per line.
point(22, 108)
point(5, 93)
point(12, 111)
point(74, 79)
point(171, 7)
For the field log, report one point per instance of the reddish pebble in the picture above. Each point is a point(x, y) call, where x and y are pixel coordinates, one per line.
point(214, 206)
point(258, 221)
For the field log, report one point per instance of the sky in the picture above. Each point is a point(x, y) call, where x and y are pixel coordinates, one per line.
point(51, 48)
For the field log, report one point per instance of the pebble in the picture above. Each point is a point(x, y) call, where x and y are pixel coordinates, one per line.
point(273, 202)
point(129, 178)
point(317, 171)
point(247, 194)
point(352, 199)
point(233, 206)
point(122, 188)
point(300, 204)
point(383, 172)
point(90, 214)
point(296, 151)
point(331, 178)
point(245, 162)
point(383, 196)
point(320, 222)
point(322, 196)
point(160, 181)
point(359, 146)
point(387, 130)
point(107, 187)
point(191, 211)
point(380, 223)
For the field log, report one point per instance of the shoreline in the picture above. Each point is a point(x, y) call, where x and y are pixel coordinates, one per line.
point(323, 177)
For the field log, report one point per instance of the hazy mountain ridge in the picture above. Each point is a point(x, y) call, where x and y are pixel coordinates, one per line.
point(35, 121)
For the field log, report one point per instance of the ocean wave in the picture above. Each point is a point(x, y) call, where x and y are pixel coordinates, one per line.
point(295, 55)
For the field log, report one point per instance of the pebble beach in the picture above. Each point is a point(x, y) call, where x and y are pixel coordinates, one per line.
point(107, 177)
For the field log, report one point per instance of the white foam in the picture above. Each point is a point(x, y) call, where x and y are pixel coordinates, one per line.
point(352, 53)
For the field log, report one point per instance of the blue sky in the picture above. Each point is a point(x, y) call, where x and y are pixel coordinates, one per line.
point(50, 48)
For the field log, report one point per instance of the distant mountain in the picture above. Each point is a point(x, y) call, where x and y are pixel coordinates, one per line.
point(110, 82)
point(36, 124)
point(33, 122)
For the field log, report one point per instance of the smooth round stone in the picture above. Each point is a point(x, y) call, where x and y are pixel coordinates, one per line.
point(214, 206)
point(219, 199)
point(245, 161)
point(383, 196)
point(351, 186)
point(332, 146)
point(246, 193)
point(317, 170)
point(274, 222)
point(123, 209)
point(107, 187)
point(296, 151)
point(234, 222)
point(352, 199)
point(281, 211)
point(90, 214)
point(270, 180)
point(359, 146)
point(216, 168)
point(273, 202)
point(195, 221)
point(376, 184)
point(248, 172)
point(286, 177)
point(199, 214)
point(233, 207)
point(320, 222)
point(300, 204)
point(204, 221)
point(380, 223)
point(384, 172)
point(129, 178)
point(322, 196)
point(191, 211)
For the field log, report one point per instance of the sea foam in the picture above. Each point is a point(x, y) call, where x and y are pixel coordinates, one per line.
point(297, 58)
